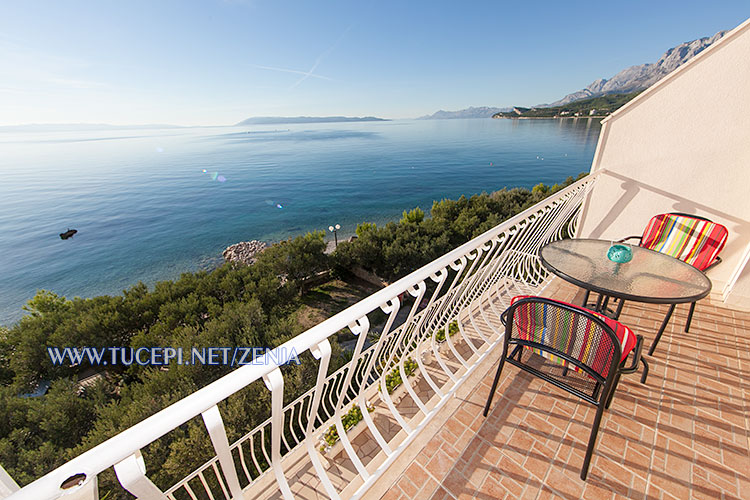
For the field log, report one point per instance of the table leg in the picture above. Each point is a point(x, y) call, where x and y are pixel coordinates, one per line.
point(619, 309)
point(586, 298)
point(661, 330)
point(598, 307)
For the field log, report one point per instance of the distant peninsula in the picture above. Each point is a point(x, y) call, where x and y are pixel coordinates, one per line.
point(597, 107)
point(273, 120)
point(473, 112)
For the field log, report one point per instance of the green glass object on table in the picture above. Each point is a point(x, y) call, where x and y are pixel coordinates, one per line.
point(620, 253)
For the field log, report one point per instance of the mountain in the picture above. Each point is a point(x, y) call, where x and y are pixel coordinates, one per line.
point(273, 120)
point(643, 76)
point(481, 112)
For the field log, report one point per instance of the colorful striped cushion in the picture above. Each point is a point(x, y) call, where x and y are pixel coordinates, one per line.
point(531, 321)
point(692, 240)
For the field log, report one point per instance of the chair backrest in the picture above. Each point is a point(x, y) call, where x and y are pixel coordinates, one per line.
point(692, 239)
point(565, 334)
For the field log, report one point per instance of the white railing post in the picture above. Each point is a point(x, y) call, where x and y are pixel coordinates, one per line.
point(218, 434)
point(322, 352)
point(359, 327)
point(7, 484)
point(131, 473)
point(275, 383)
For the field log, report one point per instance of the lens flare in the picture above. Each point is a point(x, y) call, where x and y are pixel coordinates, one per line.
point(215, 176)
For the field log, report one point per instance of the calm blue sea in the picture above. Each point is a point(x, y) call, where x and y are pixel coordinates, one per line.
point(145, 210)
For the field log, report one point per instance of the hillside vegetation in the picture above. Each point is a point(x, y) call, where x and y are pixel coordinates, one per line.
point(235, 305)
point(595, 107)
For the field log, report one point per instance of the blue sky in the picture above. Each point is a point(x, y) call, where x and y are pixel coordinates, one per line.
point(218, 62)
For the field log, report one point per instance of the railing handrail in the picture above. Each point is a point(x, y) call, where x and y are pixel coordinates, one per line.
point(130, 441)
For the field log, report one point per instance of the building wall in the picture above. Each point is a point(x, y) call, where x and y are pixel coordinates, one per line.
point(684, 146)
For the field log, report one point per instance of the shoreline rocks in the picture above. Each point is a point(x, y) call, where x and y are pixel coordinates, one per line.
point(244, 251)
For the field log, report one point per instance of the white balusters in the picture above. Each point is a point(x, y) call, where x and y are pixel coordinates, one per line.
point(486, 273)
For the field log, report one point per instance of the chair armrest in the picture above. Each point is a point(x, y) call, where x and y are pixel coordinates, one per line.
point(636, 358)
point(504, 317)
point(716, 261)
point(639, 238)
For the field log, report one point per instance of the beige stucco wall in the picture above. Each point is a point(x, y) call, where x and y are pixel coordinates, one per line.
point(684, 146)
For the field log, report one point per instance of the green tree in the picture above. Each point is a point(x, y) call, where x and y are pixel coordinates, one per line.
point(414, 216)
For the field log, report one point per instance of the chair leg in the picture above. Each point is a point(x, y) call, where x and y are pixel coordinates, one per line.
point(516, 353)
point(592, 438)
point(497, 379)
point(690, 317)
point(614, 388)
point(645, 370)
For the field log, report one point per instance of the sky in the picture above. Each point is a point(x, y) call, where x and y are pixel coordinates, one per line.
point(217, 62)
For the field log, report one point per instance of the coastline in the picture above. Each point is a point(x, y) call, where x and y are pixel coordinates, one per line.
point(150, 213)
point(549, 117)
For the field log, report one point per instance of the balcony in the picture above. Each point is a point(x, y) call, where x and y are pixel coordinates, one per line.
point(420, 387)
point(402, 419)
point(682, 435)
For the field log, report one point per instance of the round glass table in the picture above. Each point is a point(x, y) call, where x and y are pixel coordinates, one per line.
point(650, 276)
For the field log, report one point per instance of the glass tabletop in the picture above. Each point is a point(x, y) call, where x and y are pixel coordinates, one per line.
point(649, 277)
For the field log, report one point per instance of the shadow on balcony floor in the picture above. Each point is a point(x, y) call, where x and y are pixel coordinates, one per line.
point(683, 435)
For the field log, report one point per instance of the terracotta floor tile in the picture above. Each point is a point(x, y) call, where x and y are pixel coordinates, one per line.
point(682, 435)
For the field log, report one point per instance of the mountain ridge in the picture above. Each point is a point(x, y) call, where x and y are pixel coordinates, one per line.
point(642, 76)
point(632, 79)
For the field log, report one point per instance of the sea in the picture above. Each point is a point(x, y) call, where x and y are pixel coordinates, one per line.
point(152, 203)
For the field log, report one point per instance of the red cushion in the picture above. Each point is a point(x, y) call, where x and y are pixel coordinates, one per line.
point(691, 239)
point(624, 334)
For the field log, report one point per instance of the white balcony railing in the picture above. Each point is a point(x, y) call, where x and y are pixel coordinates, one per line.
point(469, 286)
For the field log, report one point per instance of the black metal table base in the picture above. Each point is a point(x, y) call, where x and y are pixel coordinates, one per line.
point(661, 330)
point(600, 306)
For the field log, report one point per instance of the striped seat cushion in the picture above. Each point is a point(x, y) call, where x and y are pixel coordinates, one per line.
point(692, 240)
point(557, 328)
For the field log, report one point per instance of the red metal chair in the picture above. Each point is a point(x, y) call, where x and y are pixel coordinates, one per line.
point(550, 337)
point(690, 238)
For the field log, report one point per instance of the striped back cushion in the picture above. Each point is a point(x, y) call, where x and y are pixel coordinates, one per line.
point(570, 333)
point(692, 240)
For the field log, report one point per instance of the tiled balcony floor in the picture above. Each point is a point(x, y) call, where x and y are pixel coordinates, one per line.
point(682, 435)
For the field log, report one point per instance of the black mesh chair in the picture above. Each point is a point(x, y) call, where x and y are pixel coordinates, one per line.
point(689, 238)
point(576, 349)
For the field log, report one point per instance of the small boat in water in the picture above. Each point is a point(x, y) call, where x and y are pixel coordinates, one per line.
point(67, 234)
